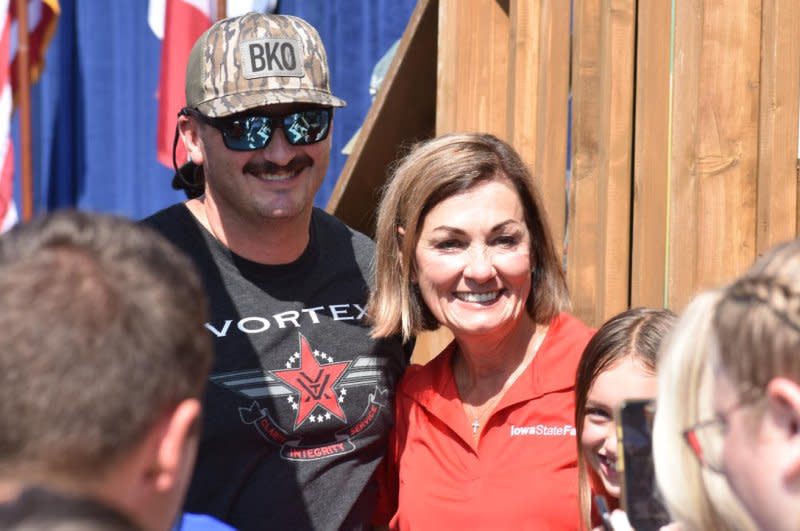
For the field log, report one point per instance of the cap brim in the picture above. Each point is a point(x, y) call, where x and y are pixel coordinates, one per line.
point(236, 103)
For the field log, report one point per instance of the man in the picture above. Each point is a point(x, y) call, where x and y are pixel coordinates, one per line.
point(299, 403)
point(101, 375)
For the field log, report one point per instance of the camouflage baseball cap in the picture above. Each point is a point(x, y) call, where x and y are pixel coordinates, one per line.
point(254, 60)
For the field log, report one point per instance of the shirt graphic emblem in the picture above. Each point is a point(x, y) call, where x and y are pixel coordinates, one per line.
point(313, 392)
point(314, 382)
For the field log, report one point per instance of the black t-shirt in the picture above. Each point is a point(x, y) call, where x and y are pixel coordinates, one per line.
point(299, 402)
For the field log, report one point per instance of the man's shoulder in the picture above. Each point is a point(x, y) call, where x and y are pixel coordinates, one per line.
point(334, 229)
point(332, 222)
point(167, 217)
point(174, 222)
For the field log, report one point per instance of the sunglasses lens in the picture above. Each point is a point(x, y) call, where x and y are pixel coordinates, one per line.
point(248, 133)
point(307, 127)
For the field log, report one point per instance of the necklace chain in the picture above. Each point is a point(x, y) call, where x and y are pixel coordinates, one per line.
point(480, 414)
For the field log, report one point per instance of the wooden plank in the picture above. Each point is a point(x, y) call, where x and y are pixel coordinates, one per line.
point(599, 231)
point(538, 97)
point(582, 213)
point(616, 154)
point(471, 88)
point(778, 123)
point(686, 79)
point(404, 110)
point(651, 155)
point(714, 144)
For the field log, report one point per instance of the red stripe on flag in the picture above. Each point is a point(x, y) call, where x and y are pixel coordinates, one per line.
point(39, 36)
point(6, 179)
point(183, 25)
point(5, 50)
point(7, 162)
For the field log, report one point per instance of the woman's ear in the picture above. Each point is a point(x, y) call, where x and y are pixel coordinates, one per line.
point(190, 136)
point(783, 407)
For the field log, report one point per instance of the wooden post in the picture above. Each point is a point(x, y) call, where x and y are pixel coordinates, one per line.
point(600, 187)
point(778, 123)
point(222, 9)
point(538, 87)
point(472, 79)
point(23, 99)
point(651, 155)
point(404, 110)
point(714, 144)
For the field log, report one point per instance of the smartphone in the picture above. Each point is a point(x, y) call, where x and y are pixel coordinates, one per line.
point(605, 515)
point(638, 492)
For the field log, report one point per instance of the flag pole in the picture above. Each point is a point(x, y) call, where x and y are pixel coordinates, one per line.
point(23, 98)
point(222, 9)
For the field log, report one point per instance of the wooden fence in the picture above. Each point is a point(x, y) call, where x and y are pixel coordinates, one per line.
point(684, 130)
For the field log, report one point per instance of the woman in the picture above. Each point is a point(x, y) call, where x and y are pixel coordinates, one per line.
point(618, 364)
point(697, 498)
point(483, 435)
point(750, 436)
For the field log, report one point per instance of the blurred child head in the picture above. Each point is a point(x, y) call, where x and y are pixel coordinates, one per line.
point(756, 403)
point(696, 497)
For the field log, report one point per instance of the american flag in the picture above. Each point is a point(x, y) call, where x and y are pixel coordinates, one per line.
point(179, 23)
point(42, 17)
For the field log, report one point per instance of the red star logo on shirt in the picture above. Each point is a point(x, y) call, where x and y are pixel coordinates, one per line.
point(314, 383)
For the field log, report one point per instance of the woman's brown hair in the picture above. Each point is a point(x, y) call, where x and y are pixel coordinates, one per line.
point(433, 171)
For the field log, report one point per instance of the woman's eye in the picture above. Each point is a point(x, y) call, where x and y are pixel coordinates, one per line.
point(448, 244)
point(597, 413)
point(506, 241)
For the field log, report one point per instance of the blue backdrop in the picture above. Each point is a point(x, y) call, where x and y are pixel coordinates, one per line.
point(94, 109)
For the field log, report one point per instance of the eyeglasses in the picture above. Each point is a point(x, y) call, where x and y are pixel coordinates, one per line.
point(706, 438)
point(254, 131)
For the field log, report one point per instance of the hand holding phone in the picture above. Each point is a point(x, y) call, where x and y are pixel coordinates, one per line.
point(602, 510)
point(615, 521)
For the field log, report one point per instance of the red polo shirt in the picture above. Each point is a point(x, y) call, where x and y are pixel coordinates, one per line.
point(522, 473)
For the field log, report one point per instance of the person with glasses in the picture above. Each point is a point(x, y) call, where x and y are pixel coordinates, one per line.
point(752, 437)
point(298, 407)
point(618, 364)
point(696, 497)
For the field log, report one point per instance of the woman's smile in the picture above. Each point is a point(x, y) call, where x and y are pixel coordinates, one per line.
point(469, 296)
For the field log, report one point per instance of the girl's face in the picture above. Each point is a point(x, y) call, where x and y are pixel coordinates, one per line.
point(626, 379)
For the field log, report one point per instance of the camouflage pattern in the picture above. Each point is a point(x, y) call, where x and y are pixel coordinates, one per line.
point(217, 83)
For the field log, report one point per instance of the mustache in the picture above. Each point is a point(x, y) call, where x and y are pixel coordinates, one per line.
point(296, 164)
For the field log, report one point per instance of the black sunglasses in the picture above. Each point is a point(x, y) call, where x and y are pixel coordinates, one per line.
point(254, 131)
